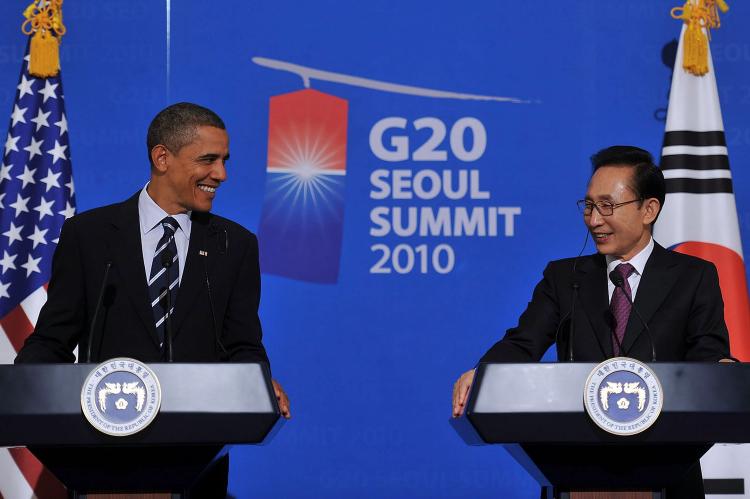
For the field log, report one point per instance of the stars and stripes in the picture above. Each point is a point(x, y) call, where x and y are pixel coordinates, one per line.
point(36, 196)
point(35, 199)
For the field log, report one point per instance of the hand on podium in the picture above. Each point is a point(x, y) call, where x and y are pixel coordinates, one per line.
point(282, 398)
point(461, 392)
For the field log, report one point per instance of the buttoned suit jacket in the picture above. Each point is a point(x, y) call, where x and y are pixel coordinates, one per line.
point(222, 325)
point(678, 297)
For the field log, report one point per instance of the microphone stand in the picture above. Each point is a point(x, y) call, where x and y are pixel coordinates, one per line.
point(96, 312)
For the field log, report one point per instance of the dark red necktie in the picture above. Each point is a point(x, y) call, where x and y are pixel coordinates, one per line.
point(620, 306)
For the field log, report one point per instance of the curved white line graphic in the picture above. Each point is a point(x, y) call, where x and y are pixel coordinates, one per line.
point(307, 74)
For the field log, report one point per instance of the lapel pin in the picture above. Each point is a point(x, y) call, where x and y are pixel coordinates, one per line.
point(203, 253)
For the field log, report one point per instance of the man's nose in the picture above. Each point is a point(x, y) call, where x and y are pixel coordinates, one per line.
point(595, 219)
point(219, 172)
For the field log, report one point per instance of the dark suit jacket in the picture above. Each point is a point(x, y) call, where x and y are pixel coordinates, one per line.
point(678, 296)
point(125, 325)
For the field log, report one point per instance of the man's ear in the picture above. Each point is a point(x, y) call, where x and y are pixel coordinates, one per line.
point(159, 157)
point(651, 210)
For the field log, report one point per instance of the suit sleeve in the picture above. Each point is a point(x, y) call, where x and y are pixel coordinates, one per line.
point(242, 334)
point(707, 337)
point(62, 318)
point(536, 328)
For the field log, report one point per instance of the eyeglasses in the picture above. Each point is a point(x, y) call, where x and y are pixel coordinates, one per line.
point(605, 208)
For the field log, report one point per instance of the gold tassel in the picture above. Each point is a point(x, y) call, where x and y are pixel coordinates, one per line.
point(44, 55)
point(44, 21)
point(695, 47)
point(700, 16)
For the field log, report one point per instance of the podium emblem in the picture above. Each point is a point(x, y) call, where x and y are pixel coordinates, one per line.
point(121, 397)
point(623, 396)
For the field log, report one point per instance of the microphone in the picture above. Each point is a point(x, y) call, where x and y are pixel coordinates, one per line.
point(166, 261)
point(619, 281)
point(225, 246)
point(96, 311)
point(572, 311)
point(223, 242)
point(571, 333)
point(213, 315)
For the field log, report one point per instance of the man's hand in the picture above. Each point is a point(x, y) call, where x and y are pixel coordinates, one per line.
point(461, 392)
point(282, 398)
point(727, 360)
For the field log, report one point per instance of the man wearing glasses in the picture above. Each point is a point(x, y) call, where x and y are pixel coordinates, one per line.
point(677, 295)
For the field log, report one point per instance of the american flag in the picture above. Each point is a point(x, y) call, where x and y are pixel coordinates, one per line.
point(36, 197)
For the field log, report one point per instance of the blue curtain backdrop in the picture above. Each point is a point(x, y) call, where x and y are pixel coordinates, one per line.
point(369, 361)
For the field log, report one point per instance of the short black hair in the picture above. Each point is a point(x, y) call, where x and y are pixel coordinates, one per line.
point(175, 126)
point(648, 179)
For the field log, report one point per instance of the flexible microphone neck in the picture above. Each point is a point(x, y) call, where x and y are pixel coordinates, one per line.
point(222, 247)
point(571, 333)
point(618, 280)
point(96, 311)
point(166, 260)
point(572, 312)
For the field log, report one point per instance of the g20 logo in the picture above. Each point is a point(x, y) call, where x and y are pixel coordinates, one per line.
point(399, 147)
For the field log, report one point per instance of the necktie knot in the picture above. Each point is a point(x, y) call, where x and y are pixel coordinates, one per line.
point(625, 270)
point(170, 225)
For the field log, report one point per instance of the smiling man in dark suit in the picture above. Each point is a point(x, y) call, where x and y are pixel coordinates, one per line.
point(677, 295)
point(162, 238)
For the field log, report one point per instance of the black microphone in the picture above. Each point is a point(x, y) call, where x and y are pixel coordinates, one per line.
point(571, 333)
point(96, 311)
point(618, 280)
point(572, 311)
point(225, 247)
point(213, 315)
point(223, 242)
point(166, 260)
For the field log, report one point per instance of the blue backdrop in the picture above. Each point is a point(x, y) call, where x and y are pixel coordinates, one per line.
point(369, 360)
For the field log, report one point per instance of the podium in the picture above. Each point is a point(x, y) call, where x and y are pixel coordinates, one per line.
point(537, 412)
point(204, 408)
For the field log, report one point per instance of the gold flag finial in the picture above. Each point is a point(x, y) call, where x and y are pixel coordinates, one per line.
point(700, 16)
point(44, 21)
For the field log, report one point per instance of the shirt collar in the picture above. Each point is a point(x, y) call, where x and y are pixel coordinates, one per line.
point(151, 214)
point(638, 261)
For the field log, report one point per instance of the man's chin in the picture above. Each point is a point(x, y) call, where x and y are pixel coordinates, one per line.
point(604, 248)
point(202, 206)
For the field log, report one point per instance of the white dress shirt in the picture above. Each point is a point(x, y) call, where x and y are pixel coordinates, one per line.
point(638, 262)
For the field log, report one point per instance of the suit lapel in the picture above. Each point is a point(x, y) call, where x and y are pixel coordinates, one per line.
point(657, 280)
point(201, 256)
point(592, 274)
point(125, 244)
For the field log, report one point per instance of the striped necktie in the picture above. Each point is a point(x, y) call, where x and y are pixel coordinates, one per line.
point(165, 274)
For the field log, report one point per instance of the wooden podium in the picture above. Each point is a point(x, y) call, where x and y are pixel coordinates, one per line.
point(536, 411)
point(204, 408)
